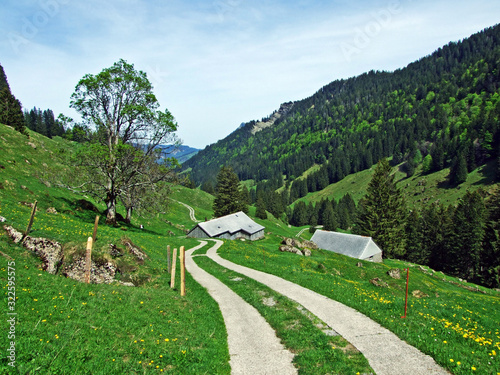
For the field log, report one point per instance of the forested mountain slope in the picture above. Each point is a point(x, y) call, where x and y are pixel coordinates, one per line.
point(442, 110)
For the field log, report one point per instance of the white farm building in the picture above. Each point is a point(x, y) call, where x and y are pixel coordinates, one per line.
point(354, 246)
point(229, 227)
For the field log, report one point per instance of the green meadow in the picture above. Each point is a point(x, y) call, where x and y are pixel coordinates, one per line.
point(66, 327)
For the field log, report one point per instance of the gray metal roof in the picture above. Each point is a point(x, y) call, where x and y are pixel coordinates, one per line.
point(231, 223)
point(359, 247)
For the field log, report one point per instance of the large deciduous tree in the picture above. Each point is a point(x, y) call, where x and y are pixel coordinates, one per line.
point(382, 215)
point(119, 104)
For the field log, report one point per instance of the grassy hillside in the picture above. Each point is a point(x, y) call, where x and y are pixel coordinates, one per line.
point(105, 328)
point(420, 189)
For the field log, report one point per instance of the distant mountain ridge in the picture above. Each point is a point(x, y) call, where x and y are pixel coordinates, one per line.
point(444, 107)
point(182, 153)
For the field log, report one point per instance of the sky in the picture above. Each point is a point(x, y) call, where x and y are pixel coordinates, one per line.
point(217, 63)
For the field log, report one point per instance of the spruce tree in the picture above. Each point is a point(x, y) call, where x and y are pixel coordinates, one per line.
point(245, 195)
point(464, 245)
point(458, 172)
point(329, 222)
point(382, 215)
point(228, 198)
point(261, 210)
point(4, 84)
point(11, 112)
point(415, 252)
point(299, 216)
point(490, 254)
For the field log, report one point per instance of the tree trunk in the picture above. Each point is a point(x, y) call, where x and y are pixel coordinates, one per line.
point(111, 209)
point(129, 215)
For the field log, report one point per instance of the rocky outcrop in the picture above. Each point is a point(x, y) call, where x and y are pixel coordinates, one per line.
point(265, 123)
point(290, 249)
point(135, 250)
point(15, 235)
point(395, 273)
point(300, 244)
point(419, 294)
point(99, 273)
point(50, 252)
point(293, 245)
point(379, 282)
point(115, 251)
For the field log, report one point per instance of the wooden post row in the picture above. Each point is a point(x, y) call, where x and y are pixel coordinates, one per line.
point(88, 260)
point(183, 272)
point(172, 279)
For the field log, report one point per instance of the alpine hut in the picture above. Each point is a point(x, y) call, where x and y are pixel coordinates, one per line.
point(230, 227)
point(354, 246)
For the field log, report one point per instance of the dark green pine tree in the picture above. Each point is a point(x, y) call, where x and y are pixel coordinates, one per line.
point(489, 262)
point(383, 212)
point(415, 252)
point(299, 216)
point(208, 187)
point(464, 245)
point(245, 196)
point(490, 255)
point(437, 153)
point(458, 171)
point(11, 112)
point(329, 221)
point(346, 211)
point(437, 228)
point(228, 198)
point(261, 209)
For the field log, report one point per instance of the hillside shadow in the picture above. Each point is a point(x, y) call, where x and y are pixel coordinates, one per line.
point(488, 172)
point(82, 209)
point(86, 211)
point(446, 184)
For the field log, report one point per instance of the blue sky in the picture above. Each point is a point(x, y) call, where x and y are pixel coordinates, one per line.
point(217, 63)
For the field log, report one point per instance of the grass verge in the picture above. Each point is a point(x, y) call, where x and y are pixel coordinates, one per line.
point(316, 353)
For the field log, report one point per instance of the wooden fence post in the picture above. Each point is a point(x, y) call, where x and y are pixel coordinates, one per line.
point(94, 235)
point(183, 272)
point(88, 260)
point(172, 279)
point(32, 217)
point(169, 267)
